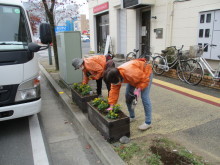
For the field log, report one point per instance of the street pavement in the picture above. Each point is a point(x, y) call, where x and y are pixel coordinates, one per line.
point(185, 119)
point(50, 137)
point(66, 144)
point(15, 142)
point(22, 142)
point(53, 139)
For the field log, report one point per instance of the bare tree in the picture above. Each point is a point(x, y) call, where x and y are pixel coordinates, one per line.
point(54, 9)
point(49, 8)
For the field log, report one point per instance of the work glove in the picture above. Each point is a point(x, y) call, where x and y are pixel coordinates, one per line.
point(137, 92)
point(110, 108)
point(92, 77)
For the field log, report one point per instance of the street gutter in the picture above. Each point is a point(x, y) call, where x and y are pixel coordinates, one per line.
point(101, 147)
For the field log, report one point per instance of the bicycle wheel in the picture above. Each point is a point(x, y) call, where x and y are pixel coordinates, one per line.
point(179, 70)
point(159, 65)
point(149, 58)
point(193, 72)
point(130, 56)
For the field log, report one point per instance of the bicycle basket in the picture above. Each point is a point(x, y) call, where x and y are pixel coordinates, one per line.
point(195, 51)
point(185, 54)
point(171, 51)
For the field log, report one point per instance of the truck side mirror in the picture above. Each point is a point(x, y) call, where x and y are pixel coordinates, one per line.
point(45, 33)
point(32, 47)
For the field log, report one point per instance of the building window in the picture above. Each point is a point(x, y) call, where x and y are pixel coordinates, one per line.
point(207, 33)
point(202, 18)
point(206, 47)
point(208, 18)
point(200, 33)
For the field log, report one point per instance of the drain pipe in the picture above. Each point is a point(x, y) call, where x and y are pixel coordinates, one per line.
point(171, 20)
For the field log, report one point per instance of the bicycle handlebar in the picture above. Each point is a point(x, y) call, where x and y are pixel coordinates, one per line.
point(206, 45)
point(176, 48)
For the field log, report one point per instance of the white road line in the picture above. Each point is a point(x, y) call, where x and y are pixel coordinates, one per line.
point(38, 148)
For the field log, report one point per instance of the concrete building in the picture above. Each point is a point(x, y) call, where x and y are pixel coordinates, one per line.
point(81, 24)
point(155, 24)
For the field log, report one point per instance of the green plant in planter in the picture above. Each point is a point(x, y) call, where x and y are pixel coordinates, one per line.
point(113, 114)
point(86, 89)
point(116, 108)
point(75, 85)
point(103, 106)
point(83, 89)
point(96, 101)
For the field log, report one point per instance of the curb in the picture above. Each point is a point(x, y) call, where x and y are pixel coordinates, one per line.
point(101, 147)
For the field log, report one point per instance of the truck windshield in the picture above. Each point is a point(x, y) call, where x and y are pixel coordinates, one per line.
point(14, 33)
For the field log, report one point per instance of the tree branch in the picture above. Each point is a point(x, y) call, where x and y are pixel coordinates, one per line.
point(52, 5)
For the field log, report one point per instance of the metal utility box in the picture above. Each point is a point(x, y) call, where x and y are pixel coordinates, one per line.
point(69, 47)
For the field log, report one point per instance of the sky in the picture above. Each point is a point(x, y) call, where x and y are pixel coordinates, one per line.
point(84, 9)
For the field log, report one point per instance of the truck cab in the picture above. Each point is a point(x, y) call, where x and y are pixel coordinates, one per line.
point(19, 72)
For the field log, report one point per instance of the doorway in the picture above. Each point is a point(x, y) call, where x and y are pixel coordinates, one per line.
point(145, 31)
point(102, 31)
point(209, 33)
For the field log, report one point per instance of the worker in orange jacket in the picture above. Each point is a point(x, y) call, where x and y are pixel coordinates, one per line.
point(138, 76)
point(93, 69)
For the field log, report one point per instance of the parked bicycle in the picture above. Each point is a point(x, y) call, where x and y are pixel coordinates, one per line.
point(161, 64)
point(133, 55)
point(194, 72)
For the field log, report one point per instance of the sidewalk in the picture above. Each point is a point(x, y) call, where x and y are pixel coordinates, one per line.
point(175, 115)
point(65, 143)
point(102, 149)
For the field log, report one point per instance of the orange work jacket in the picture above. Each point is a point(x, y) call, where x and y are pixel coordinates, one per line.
point(136, 73)
point(95, 65)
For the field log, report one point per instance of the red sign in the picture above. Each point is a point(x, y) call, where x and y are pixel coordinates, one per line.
point(101, 7)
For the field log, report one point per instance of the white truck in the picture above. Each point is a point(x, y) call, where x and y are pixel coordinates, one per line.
point(19, 72)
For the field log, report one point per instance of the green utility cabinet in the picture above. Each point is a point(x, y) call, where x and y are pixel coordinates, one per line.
point(69, 47)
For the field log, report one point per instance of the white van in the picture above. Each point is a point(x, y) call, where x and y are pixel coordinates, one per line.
point(19, 71)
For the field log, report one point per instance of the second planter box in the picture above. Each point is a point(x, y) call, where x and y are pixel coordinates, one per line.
point(80, 100)
point(111, 129)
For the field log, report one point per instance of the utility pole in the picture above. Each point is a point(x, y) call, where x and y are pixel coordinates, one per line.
point(49, 48)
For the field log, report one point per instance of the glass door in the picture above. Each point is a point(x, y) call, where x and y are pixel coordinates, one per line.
point(102, 31)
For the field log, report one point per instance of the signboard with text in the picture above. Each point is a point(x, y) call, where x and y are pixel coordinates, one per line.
point(60, 29)
point(101, 7)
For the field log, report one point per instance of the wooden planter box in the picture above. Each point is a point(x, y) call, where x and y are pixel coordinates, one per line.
point(81, 101)
point(111, 129)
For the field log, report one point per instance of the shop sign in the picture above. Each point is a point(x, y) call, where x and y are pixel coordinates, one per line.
point(60, 29)
point(101, 7)
point(129, 3)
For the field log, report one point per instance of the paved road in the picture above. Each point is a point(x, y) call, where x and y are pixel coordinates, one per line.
point(85, 47)
point(21, 142)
